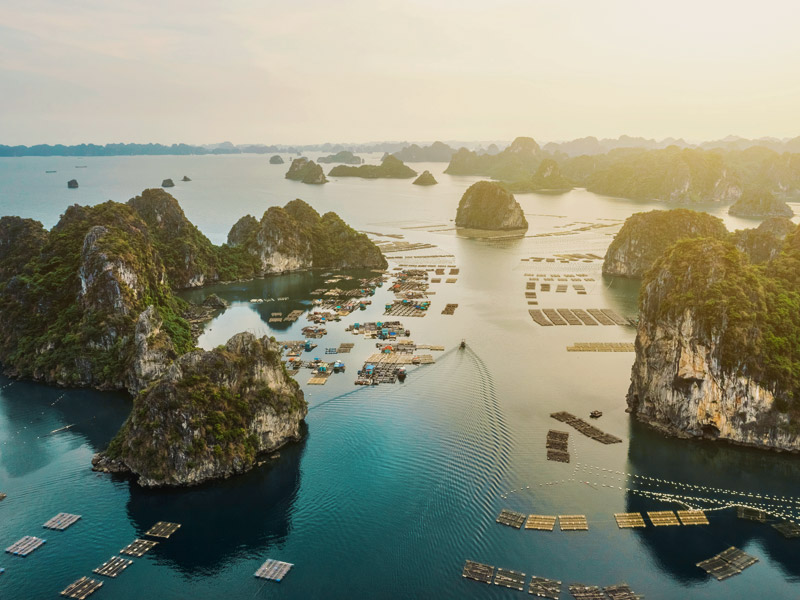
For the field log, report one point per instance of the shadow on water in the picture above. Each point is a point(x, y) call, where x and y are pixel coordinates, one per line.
point(223, 521)
point(34, 410)
point(714, 465)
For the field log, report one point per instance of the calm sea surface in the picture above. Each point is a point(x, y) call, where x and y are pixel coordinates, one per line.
point(393, 487)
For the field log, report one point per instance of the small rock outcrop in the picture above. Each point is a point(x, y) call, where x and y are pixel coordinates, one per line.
point(209, 416)
point(646, 236)
point(185, 178)
point(276, 160)
point(760, 205)
point(72, 184)
point(488, 205)
point(425, 179)
point(306, 171)
point(215, 302)
point(167, 183)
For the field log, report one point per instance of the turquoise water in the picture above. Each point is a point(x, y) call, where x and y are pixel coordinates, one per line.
point(393, 487)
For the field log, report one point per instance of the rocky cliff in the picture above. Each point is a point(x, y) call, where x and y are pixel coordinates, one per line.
point(765, 242)
point(646, 236)
point(209, 416)
point(425, 179)
point(488, 205)
point(760, 204)
point(306, 171)
point(714, 358)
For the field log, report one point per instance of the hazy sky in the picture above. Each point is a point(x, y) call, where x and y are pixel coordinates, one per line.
point(294, 71)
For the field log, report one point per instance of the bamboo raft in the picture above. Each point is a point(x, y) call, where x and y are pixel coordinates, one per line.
point(554, 316)
point(319, 379)
point(274, 570)
point(573, 523)
point(692, 517)
point(629, 520)
point(138, 547)
point(587, 592)
point(82, 588)
point(574, 316)
point(751, 514)
point(541, 522)
point(113, 566)
point(586, 429)
point(510, 579)
point(601, 346)
point(24, 546)
point(544, 588)
point(61, 521)
point(727, 563)
point(293, 316)
point(478, 572)
point(663, 518)
point(450, 309)
point(787, 529)
point(621, 591)
point(163, 529)
point(511, 518)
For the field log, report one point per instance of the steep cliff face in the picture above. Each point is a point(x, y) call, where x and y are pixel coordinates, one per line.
point(189, 257)
point(306, 171)
point(425, 179)
point(209, 416)
point(765, 242)
point(760, 204)
point(646, 236)
point(488, 205)
point(703, 354)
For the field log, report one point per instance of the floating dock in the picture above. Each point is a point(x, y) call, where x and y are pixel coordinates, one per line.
point(629, 520)
point(83, 588)
point(751, 514)
point(663, 518)
point(727, 563)
point(541, 522)
point(601, 347)
point(138, 547)
point(585, 428)
point(113, 566)
point(274, 570)
point(163, 529)
point(25, 546)
point(511, 518)
point(510, 579)
point(573, 523)
point(478, 571)
point(587, 592)
point(319, 378)
point(574, 316)
point(787, 529)
point(621, 591)
point(61, 521)
point(545, 588)
point(692, 517)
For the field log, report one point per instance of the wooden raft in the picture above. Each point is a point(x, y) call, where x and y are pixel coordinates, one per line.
point(573, 523)
point(478, 571)
point(629, 520)
point(544, 588)
point(138, 547)
point(113, 566)
point(274, 570)
point(83, 588)
point(663, 518)
point(61, 521)
point(692, 517)
point(540, 522)
point(510, 579)
point(163, 529)
point(511, 518)
point(24, 546)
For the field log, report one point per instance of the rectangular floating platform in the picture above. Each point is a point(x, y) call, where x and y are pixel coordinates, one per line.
point(692, 517)
point(555, 318)
point(138, 547)
point(61, 521)
point(663, 518)
point(600, 316)
point(478, 571)
point(319, 379)
point(274, 570)
point(557, 455)
point(510, 579)
point(538, 317)
point(585, 428)
point(511, 518)
point(585, 317)
point(540, 522)
point(751, 514)
point(451, 280)
point(573, 523)
point(557, 439)
point(163, 529)
point(545, 588)
point(113, 566)
point(629, 520)
point(787, 529)
point(602, 347)
point(25, 546)
point(450, 309)
point(587, 592)
point(83, 588)
point(727, 563)
point(569, 317)
point(621, 591)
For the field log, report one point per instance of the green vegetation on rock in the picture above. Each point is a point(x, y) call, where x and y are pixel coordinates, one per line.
point(488, 205)
point(425, 179)
point(344, 156)
point(390, 168)
point(436, 152)
point(518, 162)
point(306, 171)
point(760, 204)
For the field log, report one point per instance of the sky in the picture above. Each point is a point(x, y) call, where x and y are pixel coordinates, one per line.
point(303, 72)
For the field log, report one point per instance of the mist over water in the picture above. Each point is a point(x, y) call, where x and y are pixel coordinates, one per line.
point(393, 486)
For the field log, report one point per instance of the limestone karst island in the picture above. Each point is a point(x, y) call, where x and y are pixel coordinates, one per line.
point(475, 301)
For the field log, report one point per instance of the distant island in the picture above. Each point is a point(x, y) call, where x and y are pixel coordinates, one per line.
point(760, 204)
point(488, 205)
point(92, 303)
point(306, 171)
point(276, 160)
point(436, 152)
point(547, 178)
point(344, 157)
point(518, 161)
point(425, 179)
point(390, 168)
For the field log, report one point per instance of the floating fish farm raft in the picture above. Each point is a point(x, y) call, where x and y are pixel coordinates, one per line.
point(575, 316)
point(163, 529)
point(61, 521)
point(544, 588)
point(541, 522)
point(728, 563)
point(557, 446)
point(663, 518)
point(602, 347)
point(510, 579)
point(629, 520)
point(274, 570)
point(113, 566)
point(82, 588)
point(585, 428)
point(138, 547)
point(573, 523)
point(692, 517)
point(25, 545)
point(511, 518)
point(478, 572)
